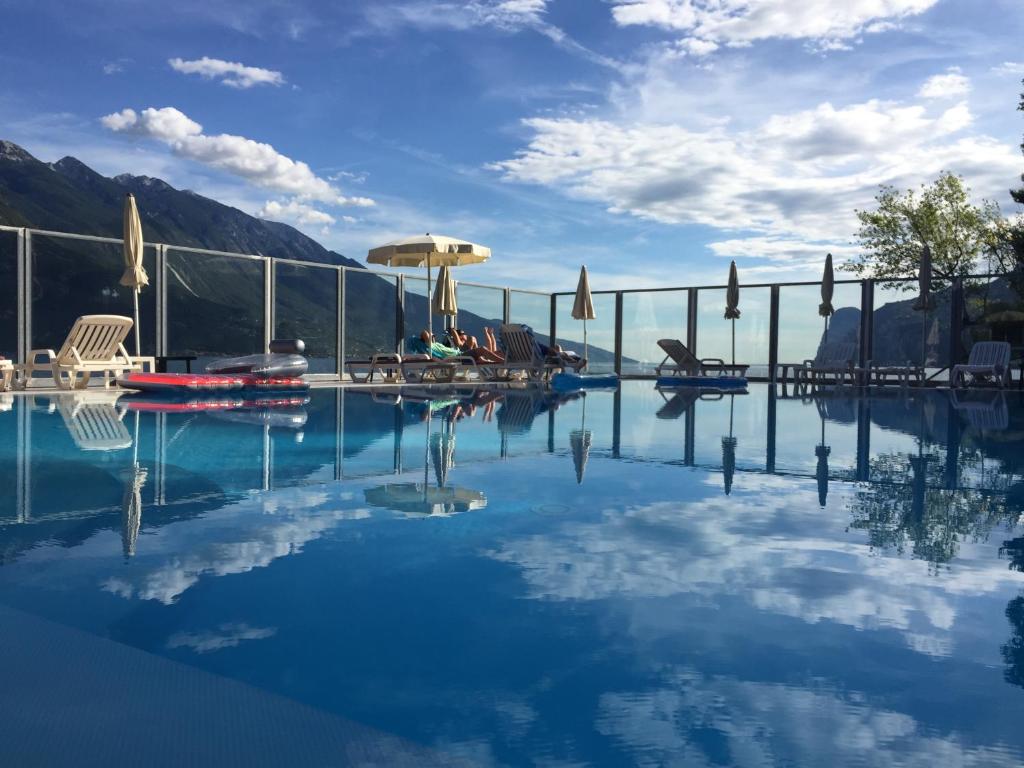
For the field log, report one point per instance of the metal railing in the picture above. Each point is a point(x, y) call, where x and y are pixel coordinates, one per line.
point(235, 302)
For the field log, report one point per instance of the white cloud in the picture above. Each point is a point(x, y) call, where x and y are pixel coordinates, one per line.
point(947, 86)
point(780, 249)
point(1015, 68)
point(114, 67)
point(225, 636)
point(230, 73)
point(793, 176)
point(294, 210)
point(251, 160)
point(830, 25)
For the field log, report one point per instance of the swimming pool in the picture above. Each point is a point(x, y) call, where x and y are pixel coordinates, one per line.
point(510, 578)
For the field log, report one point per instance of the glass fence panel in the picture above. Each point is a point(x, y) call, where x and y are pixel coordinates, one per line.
point(73, 277)
point(994, 311)
point(415, 318)
point(304, 440)
point(9, 295)
point(532, 309)
point(903, 335)
point(802, 330)
point(371, 313)
point(600, 331)
point(306, 307)
point(214, 305)
point(647, 317)
point(480, 308)
point(715, 333)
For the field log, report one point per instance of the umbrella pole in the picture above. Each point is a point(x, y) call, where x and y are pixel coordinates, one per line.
point(135, 301)
point(584, 338)
point(734, 342)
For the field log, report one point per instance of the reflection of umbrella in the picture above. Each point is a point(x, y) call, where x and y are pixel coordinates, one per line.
point(131, 502)
point(428, 251)
point(418, 499)
point(732, 304)
point(442, 454)
point(822, 452)
point(729, 452)
point(134, 276)
point(583, 306)
point(444, 295)
point(825, 309)
point(579, 441)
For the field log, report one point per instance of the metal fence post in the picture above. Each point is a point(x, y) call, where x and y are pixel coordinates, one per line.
point(341, 321)
point(400, 312)
point(554, 330)
point(24, 287)
point(161, 300)
point(773, 334)
point(618, 332)
point(268, 302)
point(691, 319)
point(506, 314)
point(867, 321)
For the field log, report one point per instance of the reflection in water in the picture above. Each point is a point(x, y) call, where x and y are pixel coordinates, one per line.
point(626, 611)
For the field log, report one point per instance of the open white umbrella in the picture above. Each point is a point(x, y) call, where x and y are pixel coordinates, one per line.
point(428, 251)
point(583, 306)
point(732, 304)
point(134, 276)
point(444, 302)
point(828, 285)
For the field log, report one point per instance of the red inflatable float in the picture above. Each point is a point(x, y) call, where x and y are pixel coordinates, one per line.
point(186, 383)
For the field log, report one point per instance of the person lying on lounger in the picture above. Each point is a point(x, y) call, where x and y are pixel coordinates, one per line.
point(480, 355)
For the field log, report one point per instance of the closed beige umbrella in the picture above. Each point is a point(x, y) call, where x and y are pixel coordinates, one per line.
point(828, 287)
point(134, 276)
point(444, 302)
point(583, 306)
point(428, 251)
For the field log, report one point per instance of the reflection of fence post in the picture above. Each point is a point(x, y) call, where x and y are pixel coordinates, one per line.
point(616, 422)
point(769, 464)
point(23, 490)
point(618, 333)
point(551, 430)
point(339, 432)
point(400, 314)
point(867, 321)
point(956, 320)
point(773, 342)
point(952, 445)
point(863, 439)
point(688, 434)
point(691, 319)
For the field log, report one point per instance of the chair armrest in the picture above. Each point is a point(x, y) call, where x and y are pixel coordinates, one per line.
point(712, 361)
point(808, 363)
point(33, 354)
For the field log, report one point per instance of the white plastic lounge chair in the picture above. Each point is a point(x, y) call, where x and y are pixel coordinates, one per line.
point(685, 363)
point(522, 353)
point(95, 344)
point(385, 364)
point(989, 362)
point(835, 361)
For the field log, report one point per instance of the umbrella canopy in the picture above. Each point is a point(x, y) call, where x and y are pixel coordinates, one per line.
point(134, 276)
point(444, 302)
point(732, 294)
point(580, 441)
point(924, 281)
point(428, 251)
point(583, 306)
point(828, 286)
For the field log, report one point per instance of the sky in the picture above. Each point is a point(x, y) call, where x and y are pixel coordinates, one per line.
point(652, 140)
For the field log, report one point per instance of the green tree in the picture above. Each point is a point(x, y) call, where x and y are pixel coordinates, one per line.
point(941, 216)
point(1018, 194)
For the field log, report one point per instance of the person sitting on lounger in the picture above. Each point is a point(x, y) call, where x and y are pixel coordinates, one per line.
point(442, 352)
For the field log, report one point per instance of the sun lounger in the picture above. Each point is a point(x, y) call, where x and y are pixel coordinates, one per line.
point(94, 345)
point(522, 353)
point(835, 361)
point(386, 365)
point(881, 374)
point(685, 363)
point(989, 362)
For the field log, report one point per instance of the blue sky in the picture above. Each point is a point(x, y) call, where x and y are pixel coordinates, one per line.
point(653, 140)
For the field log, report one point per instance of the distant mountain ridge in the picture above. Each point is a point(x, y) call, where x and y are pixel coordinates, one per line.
point(69, 196)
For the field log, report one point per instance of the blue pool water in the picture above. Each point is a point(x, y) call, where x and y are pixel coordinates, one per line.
point(514, 578)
